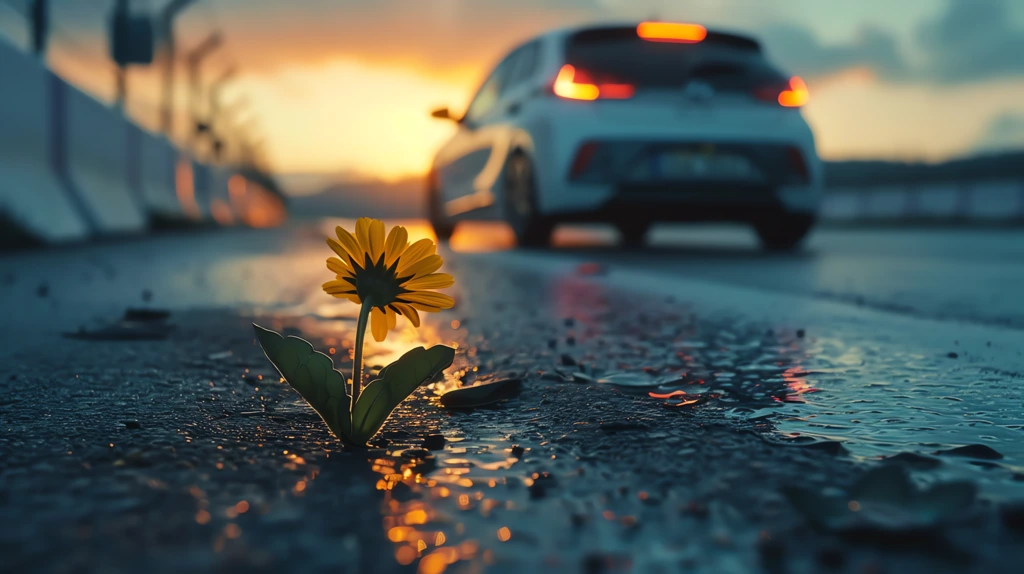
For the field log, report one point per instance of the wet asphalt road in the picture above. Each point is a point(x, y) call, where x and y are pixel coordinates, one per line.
point(804, 369)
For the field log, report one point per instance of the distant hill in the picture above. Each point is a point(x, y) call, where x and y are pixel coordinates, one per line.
point(392, 200)
point(994, 166)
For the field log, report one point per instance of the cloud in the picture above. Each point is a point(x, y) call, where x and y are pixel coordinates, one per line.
point(969, 41)
point(799, 51)
point(444, 37)
point(973, 40)
point(1005, 131)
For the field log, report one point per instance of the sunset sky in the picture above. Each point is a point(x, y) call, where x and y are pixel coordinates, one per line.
point(346, 86)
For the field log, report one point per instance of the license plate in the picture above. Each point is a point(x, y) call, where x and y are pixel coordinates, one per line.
point(689, 164)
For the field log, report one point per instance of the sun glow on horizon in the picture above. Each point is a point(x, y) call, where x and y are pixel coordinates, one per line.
point(349, 115)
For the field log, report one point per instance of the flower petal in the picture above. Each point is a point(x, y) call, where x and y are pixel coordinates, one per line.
point(363, 236)
point(338, 286)
point(426, 308)
point(409, 312)
point(432, 281)
point(428, 298)
point(378, 324)
point(338, 248)
point(339, 267)
point(392, 318)
point(398, 240)
point(425, 266)
point(376, 239)
point(414, 253)
point(349, 243)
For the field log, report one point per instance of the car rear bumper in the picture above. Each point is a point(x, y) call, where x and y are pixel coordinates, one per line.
point(619, 172)
point(681, 203)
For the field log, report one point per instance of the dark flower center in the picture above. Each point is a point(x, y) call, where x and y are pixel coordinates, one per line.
point(372, 280)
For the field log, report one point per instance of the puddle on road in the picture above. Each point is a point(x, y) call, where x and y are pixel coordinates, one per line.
point(871, 395)
point(464, 507)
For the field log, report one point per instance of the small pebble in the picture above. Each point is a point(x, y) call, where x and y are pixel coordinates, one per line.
point(831, 558)
point(434, 442)
point(973, 451)
point(1012, 516)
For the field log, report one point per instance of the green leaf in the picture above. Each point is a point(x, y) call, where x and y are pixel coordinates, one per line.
point(312, 374)
point(393, 384)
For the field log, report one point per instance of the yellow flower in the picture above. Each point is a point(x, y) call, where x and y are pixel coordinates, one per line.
point(393, 276)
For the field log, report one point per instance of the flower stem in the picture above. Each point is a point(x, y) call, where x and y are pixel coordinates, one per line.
point(357, 363)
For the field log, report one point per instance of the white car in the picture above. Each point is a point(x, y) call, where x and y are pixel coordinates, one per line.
point(632, 125)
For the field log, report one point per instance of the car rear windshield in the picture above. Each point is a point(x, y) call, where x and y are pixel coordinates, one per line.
point(728, 63)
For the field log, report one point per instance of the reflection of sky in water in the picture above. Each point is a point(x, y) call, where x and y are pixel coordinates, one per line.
point(880, 402)
point(458, 508)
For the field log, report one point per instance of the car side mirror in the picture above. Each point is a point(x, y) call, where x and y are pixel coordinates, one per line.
point(444, 114)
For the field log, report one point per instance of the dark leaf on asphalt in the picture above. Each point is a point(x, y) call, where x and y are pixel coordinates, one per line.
point(884, 501)
point(125, 331)
point(629, 379)
point(888, 484)
point(915, 461)
point(146, 315)
point(482, 395)
point(972, 451)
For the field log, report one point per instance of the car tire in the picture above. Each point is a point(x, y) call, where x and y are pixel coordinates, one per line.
point(784, 233)
point(443, 227)
point(530, 228)
point(634, 233)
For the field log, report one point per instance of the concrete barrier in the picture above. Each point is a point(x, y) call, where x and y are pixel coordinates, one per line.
point(158, 158)
point(936, 202)
point(32, 196)
point(98, 163)
point(841, 206)
point(220, 198)
point(886, 203)
point(994, 202)
point(203, 185)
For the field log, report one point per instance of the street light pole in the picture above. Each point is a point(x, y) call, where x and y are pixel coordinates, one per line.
point(195, 60)
point(40, 15)
point(215, 92)
point(121, 11)
point(166, 21)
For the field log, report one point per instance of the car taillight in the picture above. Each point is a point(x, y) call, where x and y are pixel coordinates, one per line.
point(573, 84)
point(792, 94)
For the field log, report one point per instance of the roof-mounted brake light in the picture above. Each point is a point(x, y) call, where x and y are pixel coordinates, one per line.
point(672, 32)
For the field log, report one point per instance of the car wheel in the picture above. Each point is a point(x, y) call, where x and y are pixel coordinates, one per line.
point(443, 228)
point(634, 233)
point(784, 233)
point(530, 228)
